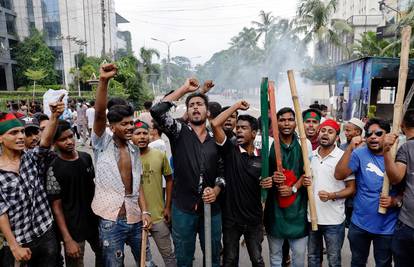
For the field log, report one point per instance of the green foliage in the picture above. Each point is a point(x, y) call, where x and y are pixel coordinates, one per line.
point(313, 19)
point(33, 53)
point(35, 75)
point(370, 45)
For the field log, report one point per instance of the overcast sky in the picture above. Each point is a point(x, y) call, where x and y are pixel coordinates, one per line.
point(207, 25)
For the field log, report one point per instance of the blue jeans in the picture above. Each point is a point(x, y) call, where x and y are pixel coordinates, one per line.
point(113, 237)
point(403, 245)
point(360, 243)
point(334, 239)
point(185, 227)
point(298, 247)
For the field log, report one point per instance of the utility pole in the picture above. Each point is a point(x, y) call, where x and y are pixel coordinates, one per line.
point(103, 27)
point(168, 56)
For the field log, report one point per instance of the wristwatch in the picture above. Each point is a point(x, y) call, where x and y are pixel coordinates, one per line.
point(294, 190)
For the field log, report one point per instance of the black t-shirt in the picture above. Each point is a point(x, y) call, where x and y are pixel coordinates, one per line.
point(72, 182)
point(191, 158)
point(242, 199)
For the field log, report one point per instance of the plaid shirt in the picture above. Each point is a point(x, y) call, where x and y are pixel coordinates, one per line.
point(23, 197)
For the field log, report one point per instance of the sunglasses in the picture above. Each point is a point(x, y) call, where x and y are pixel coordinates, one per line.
point(378, 133)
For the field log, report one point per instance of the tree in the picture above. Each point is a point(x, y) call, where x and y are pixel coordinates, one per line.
point(313, 19)
point(264, 26)
point(34, 46)
point(35, 76)
point(370, 45)
point(150, 70)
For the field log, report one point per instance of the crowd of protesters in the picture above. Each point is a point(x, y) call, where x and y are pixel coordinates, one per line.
point(51, 194)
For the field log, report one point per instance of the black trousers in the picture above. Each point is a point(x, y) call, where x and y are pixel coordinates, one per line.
point(44, 252)
point(253, 235)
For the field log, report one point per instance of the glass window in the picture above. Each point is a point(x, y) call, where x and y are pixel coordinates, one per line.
point(386, 95)
point(6, 4)
point(11, 24)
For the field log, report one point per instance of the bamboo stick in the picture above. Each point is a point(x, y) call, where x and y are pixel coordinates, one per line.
point(275, 128)
point(399, 100)
point(304, 145)
point(144, 237)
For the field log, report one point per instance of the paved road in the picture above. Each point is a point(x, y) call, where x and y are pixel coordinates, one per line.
point(244, 258)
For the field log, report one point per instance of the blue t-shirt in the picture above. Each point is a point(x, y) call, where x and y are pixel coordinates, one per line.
point(369, 174)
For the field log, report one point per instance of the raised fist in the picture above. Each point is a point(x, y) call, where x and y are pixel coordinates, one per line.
point(107, 71)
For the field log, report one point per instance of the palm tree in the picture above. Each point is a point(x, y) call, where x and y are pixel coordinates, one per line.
point(370, 45)
point(246, 39)
point(264, 25)
point(313, 18)
point(149, 68)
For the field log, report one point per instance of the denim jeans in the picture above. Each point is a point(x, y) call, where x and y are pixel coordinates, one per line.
point(298, 247)
point(44, 252)
point(360, 243)
point(253, 235)
point(334, 239)
point(403, 245)
point(185, 227)
point(162, 237)
point(114, 236)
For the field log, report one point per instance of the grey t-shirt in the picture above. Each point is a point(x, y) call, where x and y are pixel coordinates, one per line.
point(405, 155)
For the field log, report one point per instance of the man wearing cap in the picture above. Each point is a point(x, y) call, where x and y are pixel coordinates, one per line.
point(25, 216)
point(155, 166)
point(311, 120)
point(31, 132)
point(354, 127)
point(329, 195)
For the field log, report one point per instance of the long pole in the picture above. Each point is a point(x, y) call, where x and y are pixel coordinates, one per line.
point(275, 128)
point(399, 100)
point(144, 247)
point(304, 145)
point(264, 152)
point(103, 26)
point(207, 234)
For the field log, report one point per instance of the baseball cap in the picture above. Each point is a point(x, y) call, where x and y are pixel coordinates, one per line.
point(30, 122)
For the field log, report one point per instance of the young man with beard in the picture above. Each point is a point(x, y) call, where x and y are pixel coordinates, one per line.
point(311, 120)
point(25, 216)
point(286, 205)
point(119, 200)
point(71, 193)
point(155, 168)
point(230, 124)
point(354, 127)
point(242, 209)
point(367, 225)
point(398, 170)
point(330, 195)
point(196, 177)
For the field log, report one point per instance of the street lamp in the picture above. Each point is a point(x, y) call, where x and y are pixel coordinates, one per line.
point(382, 6)
point(168, 55)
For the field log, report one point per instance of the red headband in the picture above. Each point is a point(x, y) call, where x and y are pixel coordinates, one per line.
point(331, 123)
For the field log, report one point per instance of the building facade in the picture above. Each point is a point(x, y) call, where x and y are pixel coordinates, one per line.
point(8, 40)
point(69, 27)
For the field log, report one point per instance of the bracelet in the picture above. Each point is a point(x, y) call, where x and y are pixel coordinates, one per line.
point(146, 213)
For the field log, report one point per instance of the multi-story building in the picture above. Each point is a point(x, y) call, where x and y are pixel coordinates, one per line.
point(362, 16)
point(69, 27)
point(8, 40)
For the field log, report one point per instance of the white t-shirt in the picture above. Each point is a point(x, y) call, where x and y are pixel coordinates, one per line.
point(158, 144)
point(90, 115)
point(331, 212)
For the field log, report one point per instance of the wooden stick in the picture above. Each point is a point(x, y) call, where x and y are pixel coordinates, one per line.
point(275, 128)
point(408, 98)
point(144, 247)
point(399, 100)
point(304, 145)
